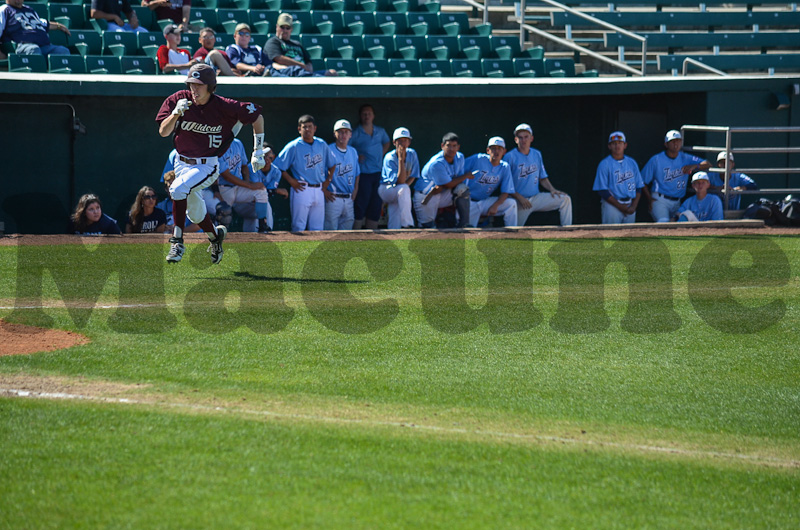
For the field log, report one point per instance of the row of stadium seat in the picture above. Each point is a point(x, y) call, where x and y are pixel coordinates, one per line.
point(398, 6)
point(76, 16)
point(520, 67)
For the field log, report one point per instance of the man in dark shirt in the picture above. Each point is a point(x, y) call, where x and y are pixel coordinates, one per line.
point(176, 10)
point(110, 11)
point(288, 57)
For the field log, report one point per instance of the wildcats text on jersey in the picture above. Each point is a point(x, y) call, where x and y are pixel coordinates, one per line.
point(201, 128)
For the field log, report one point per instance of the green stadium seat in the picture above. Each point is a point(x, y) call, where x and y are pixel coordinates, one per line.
point(58, 37)
point(148, 43)
point(441, 47)
point(589, 73)
point(391, 23)
point(7, 48)
point(431, 6)
point(66, 64)
point(98, 25)
point(229, 18)
point(404, 68)
point(189, 42)
point(327, 22)
point(423, 23)
point(505, 47)
point(343, 66)
point(497, 67)
point(145, 16)
point(378, 46)
point(359, 23)
point(536, 52)
point(340, 5)
point(277, 5)
point(263, 21)
point(27, 63)
point(317, 46)
point(368, 67)
point(103, 64)
point(465, 67)
point(372, 6)
point(75, 13)
point(41, 9)
point(138, 65)
point(474, 47)
point(525, 67)
point(348, 46)
point(120, 43)
point(223, 40)
point(302, 23)
point(435, 68)
point(454, 23)
point(203, 16)
point(484, 30)
point(553, 67)
point(410, 46)
point(87, 42)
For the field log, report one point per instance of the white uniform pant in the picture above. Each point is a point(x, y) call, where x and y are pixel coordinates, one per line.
point(190, 181)
point(426, 213)
point(339, 213)
point(398, 204)
point(308, 209)
point(243, 201)
point(546, 202)
point(508, 209)
point(611, 215)
point(211, 201)
point(664, 208)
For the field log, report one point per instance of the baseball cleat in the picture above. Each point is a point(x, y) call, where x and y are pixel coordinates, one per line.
point(216, 244)
point(176, 250)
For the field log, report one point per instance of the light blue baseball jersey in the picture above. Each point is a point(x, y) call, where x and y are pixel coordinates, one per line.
point(270, 180)
point(709, 209)
point(371, 147)
point(233, 160)
point(438, 172)
point(526, 170)
point(735, 180)
point(621, 178)
point(391, 168)
point(667, 175)
point(309, 162)
point(170, 165)
point(487, 177)
point(347, 169)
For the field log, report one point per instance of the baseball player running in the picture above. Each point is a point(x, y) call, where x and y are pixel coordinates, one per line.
point(618, 182)
point(527, 170)
point(400, 170)
point(312, 167)
point(441, 183)
point(342, 190)
point(203, 126)
point(490, 172)
point(667, 174)
point(249, 199)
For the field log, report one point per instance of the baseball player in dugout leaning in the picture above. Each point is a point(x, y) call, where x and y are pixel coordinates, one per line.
point(203, 125)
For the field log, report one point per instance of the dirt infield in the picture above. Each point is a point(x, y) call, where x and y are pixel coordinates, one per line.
point(17, 339)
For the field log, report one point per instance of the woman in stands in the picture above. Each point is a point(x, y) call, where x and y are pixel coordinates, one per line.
point(89, 219)
point(144, 217)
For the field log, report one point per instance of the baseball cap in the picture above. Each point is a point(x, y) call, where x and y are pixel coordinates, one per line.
point(241, 26)
point(342, 124)
point(496, 140)
point(401, 132)
point(700, 175)
point(523, 127)
point(617, 136)
point(285, 19)
point(721, 156)
point(171, 28)
point(672, 135)
point(202, 74)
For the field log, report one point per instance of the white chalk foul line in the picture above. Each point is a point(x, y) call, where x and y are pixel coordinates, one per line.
point(767, 460)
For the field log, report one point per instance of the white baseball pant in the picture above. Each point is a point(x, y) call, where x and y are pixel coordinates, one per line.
point(398, 205)
point(508, 209)
point(546, 202)
point(426, 213)
point(243, 200)
point(339, 213)
point(211, 202)
point(308, 208)
point(664, 208)
point(611, 215)
point(192, 176)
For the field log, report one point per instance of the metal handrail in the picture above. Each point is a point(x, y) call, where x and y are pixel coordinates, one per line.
point(728, 148)
point(481, 7)
point(689, 60)
point(580, 49)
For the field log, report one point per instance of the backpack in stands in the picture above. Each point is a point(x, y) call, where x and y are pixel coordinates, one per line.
point(781, 213)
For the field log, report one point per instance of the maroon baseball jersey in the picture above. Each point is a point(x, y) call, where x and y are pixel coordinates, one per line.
point(207, 130)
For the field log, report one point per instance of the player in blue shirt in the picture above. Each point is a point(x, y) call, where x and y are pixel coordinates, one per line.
point(618, 182)
point(400, 170)
point(312, 165)
point(667, 173)
point(441, 183)
point(737, 181)
point(372, 143)
point(249, 199)
point(527, 170)
point(344, 185)
point(269, 176)
point(703, 206)
point(489, 173)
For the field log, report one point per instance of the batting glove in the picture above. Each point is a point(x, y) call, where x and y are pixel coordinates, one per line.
point(181, 107)
point(257, 160)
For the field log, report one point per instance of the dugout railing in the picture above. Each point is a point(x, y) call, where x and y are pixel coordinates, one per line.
point(730, 146)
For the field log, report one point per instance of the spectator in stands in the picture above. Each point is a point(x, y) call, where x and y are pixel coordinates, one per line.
point(176, 10)
point(269, 176)
point(111, 11)
point(702, 206)
point(249, 199)
point(618, 182)
point(371, 143)
point(89, 219)
point(737, 181)
point(216, 59)
point(21, 24)
point(144, 217)
point(288, 57)
point(171, 59)
point(400, 169)
point(248, 59)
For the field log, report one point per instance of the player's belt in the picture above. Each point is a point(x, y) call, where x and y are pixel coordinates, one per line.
point(475, 200)
point(342, 195)
point(668, 197)
point(624, 201)
point(313, 185)
point(194, 161)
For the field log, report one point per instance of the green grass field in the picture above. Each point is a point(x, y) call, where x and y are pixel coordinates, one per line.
point(410, 383)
